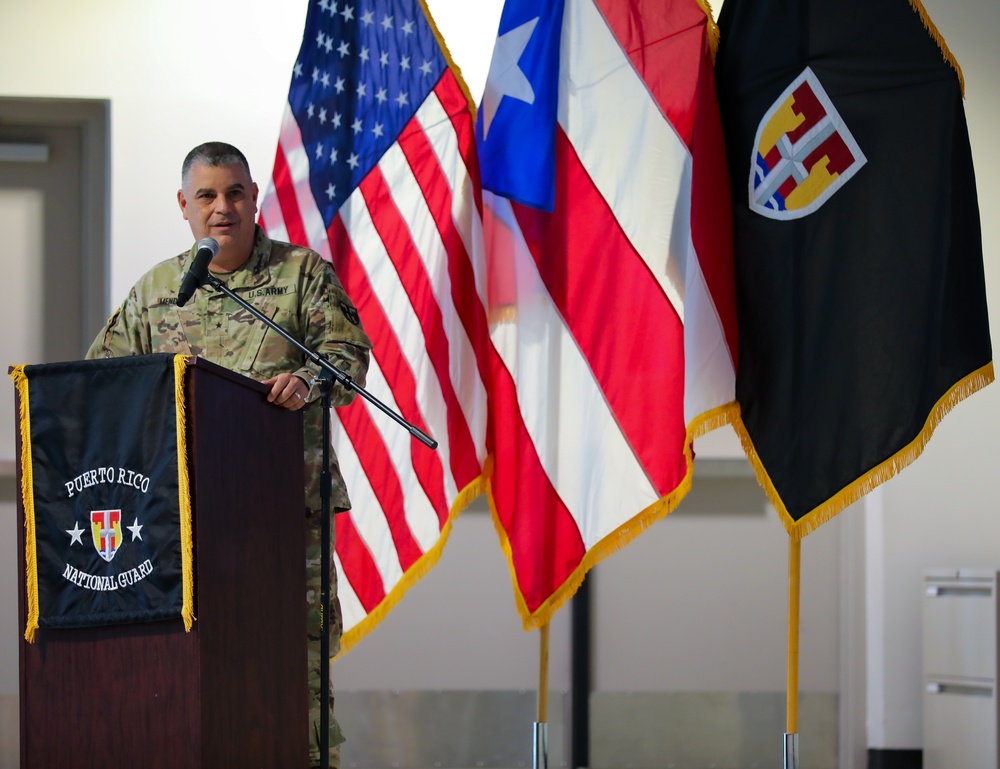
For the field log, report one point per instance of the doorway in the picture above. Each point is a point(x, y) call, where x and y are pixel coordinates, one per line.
point(55, 224)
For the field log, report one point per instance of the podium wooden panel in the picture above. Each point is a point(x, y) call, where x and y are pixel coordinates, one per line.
point(232, 692)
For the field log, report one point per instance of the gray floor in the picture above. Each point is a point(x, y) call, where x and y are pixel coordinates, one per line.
point(494, 730)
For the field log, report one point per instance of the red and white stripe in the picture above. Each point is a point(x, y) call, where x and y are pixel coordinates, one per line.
point(407, 246)
point(622, 345)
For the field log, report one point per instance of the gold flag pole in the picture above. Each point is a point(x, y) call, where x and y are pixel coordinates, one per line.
point(541, 733)
point(791, 744)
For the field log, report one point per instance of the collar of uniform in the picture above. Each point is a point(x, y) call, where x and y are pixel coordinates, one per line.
point(254, 272)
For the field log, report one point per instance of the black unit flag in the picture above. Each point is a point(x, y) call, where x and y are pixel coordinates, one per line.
point(859, 263)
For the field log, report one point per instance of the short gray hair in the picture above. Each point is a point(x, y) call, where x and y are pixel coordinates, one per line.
point(215, 154)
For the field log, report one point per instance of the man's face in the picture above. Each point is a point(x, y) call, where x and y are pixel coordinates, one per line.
point(220, 202)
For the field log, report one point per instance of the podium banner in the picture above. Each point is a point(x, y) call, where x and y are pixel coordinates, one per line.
point(106, 498)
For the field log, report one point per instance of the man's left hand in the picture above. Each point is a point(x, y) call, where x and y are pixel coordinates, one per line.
point(287, 391)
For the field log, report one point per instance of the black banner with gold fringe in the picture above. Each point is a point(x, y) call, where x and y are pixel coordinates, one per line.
point(861, 290)
point(105, 489)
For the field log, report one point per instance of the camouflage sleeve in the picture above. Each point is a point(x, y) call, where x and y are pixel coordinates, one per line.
point(333, 329)
point(126, 332)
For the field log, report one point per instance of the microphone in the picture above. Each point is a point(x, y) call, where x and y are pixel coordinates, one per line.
point(207, 249)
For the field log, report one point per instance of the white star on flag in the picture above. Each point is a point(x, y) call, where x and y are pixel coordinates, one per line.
point(505, 77)
point(76, 534)
point(135, 528)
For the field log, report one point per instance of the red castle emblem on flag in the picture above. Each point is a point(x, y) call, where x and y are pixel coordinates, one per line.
point(803, 153)
point(106, 528)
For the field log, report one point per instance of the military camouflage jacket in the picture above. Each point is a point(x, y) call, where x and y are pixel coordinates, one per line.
point(293, 286)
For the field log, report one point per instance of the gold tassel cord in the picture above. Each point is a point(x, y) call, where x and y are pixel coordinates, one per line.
point(28, 502)
point(184, 494)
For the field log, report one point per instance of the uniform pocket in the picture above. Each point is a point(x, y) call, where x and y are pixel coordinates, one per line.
point(267, 353)
point(255, 339)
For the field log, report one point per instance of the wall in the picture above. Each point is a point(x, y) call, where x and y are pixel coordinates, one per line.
point(942, 511)
point(181, 71)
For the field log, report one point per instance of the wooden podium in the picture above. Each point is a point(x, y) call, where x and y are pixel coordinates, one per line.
point(232, 692)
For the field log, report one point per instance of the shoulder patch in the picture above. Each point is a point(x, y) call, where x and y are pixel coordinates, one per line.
point(350, 312)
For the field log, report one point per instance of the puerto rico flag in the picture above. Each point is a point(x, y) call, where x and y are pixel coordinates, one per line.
point(607, 226)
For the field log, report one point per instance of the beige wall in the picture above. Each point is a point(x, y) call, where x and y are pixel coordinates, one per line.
point(943, 510)
point(179, 72)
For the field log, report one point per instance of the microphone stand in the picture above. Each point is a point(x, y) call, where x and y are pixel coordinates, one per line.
point(320, 360)
point(328, 375)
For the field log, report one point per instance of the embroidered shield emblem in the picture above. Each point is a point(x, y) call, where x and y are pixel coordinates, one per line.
point(106, 528)
point(803, 153)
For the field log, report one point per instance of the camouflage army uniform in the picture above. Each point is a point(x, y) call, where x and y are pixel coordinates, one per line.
point(300, 291)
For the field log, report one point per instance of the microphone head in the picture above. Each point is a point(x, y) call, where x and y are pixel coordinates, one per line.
point(210, 243)
point(195, 276)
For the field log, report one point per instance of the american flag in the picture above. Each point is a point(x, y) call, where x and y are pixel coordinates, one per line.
point(607, 220)
point(375, 169)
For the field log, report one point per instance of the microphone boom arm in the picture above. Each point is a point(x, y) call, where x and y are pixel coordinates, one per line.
point(343, 379)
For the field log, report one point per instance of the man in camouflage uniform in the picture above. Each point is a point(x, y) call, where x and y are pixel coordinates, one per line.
point(297, 289)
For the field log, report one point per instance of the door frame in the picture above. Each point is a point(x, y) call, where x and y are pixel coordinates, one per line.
point(92, 117)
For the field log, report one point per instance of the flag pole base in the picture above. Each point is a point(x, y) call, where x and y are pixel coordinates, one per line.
point(791, 751)
point(541, 746)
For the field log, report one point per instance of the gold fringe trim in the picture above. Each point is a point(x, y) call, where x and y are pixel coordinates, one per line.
point(621, 536)
point(184, 495)
point(28, 501)
point(420, 569)
point(713, 28)
point(447, 56)
point(713, 419)
point(946, 53)
point(878, 475)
